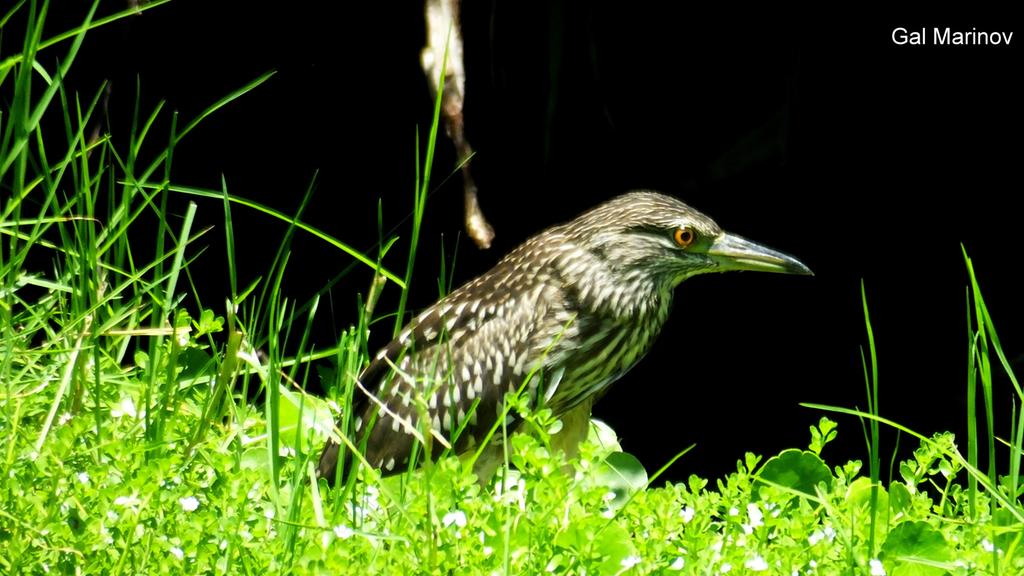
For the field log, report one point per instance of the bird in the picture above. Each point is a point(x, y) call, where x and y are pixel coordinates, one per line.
point(559, 319)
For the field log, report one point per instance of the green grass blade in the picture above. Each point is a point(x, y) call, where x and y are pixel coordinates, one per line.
point(874, 455)
point(86, 26)
point(291, 220)
point(229, 241)
point(30, 121)
point(420, 197)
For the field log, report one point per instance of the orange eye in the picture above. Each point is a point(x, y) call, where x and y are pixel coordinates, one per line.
point(684, 237)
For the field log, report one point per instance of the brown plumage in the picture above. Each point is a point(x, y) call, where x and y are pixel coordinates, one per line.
point(575, 306)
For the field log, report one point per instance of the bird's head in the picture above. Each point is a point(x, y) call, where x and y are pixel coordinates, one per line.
point(647, 236)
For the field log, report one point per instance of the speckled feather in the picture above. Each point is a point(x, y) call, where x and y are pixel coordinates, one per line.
point(580, 303)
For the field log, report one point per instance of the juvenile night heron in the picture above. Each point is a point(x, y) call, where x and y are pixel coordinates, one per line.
point(565, 314)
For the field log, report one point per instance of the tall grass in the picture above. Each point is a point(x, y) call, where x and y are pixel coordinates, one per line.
point(871, 428)
point(90, 332)
point(1000, 491)
point(147, 428)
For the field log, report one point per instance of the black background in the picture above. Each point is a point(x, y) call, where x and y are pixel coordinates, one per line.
point(823, 139)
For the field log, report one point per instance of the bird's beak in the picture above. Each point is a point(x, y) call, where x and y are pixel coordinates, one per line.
point(732, 252)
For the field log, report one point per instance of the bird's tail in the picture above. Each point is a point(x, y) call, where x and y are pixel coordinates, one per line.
point(328, 466)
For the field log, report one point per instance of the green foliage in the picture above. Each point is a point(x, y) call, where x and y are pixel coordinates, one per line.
point(822, 434)
point(799, 471)
point(144, 433)
point(915, 548)
point(623, 475)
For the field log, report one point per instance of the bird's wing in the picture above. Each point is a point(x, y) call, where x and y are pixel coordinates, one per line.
point(453, 365)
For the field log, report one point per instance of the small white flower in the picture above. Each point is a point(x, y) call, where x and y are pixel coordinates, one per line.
point(986, 545)
point(124, 408)
point(128, 501)
point(458, 518)
point(83, 477)
point(64, 418)
point(269, 513)
point(367, 505)
point(757, 564)
point(343, 532)
point(687, 514)
point(511, 490)
point(678, 563)
point(876, 567)
point(725, 568)
point(755, 515)
point(630, 561)
point(826, 533)
point(734, 511)
point(177, 552)
point(140, 531)
point(189, 503)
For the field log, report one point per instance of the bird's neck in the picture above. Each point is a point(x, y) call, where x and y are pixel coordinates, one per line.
point(625, 295)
